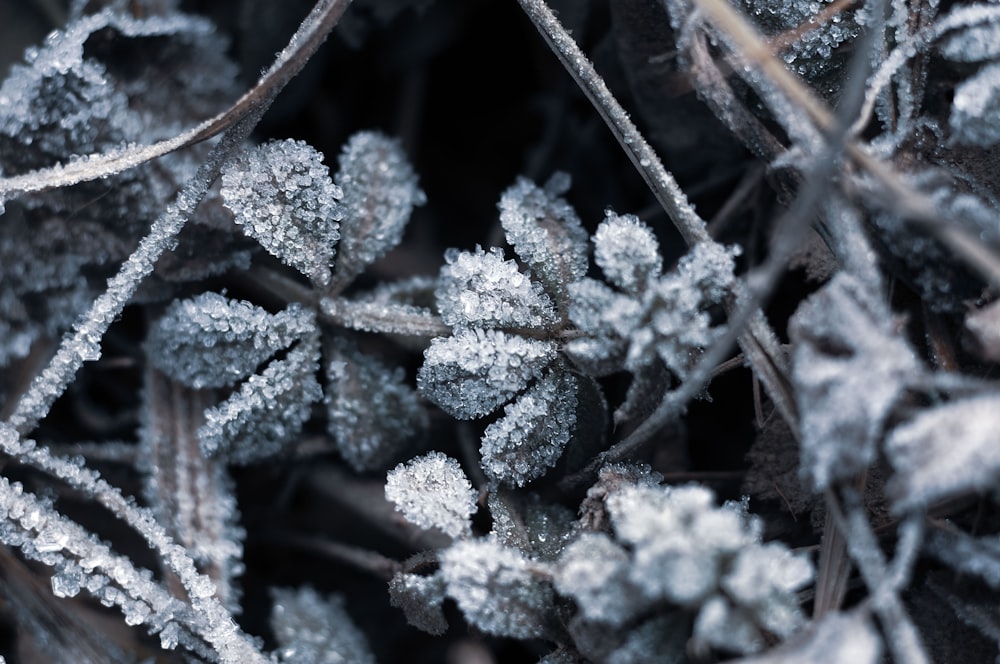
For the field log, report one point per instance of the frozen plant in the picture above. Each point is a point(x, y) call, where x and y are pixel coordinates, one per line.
point(254, 366)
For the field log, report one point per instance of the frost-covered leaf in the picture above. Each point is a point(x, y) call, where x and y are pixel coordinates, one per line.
point(538, 529)
point(476, 371)
point(836, 638)
point(594, 571)
point(282, 195)
point(313, 630)
point(945, 451)
point(530, 437)
point(975, 108)
point(849, 367)
point(213, 341)
point(667, 322)
point(432, 491)
point(380, 191)
point(483, 290)
point(494, 587)
point(267, 411)
point(420, 598)
point(373, 415)
point(681, 541)
point(546, 233)
point(726, 627)
point(763, 579)
point(627, 252)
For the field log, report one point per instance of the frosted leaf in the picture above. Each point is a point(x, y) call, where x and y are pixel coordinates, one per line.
point(973, 43)
point(975, 109)
point(380, 192)
point(432, 491)
point(708, 268)
point(611, 479)
point(313, 630)
point(681, 541)
point(282, 195)
point(537, 529)
point(530, 437)
point(849, 366)
point(945, 451)
point(546, 233)
point(763, 580)
point(267, 411)
point(836, 638)
point(420, 598)
point(721, 625)
point(483, 290)
point(476, 371)
point(600, 311)
point(374, 417)
point(667, 322)
point(494, 588)
point(594, 571)
point(213, 341)
point(627, 251)
point(662, 638)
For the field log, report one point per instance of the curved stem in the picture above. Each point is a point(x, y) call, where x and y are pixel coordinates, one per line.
point(287, 65)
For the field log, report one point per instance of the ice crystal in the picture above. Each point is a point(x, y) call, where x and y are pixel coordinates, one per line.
point(432, 491)
point(380, 192)
point(420, 598)
point(267, 411)
point(475, 371)
point(849, 367)
point(313, 630)
point(373, 415)
point(945, 451)
point(531, 436)
point(282, 195)
point(213, 341)
point(481, 289)
point(494, 588)
point(546, 233)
